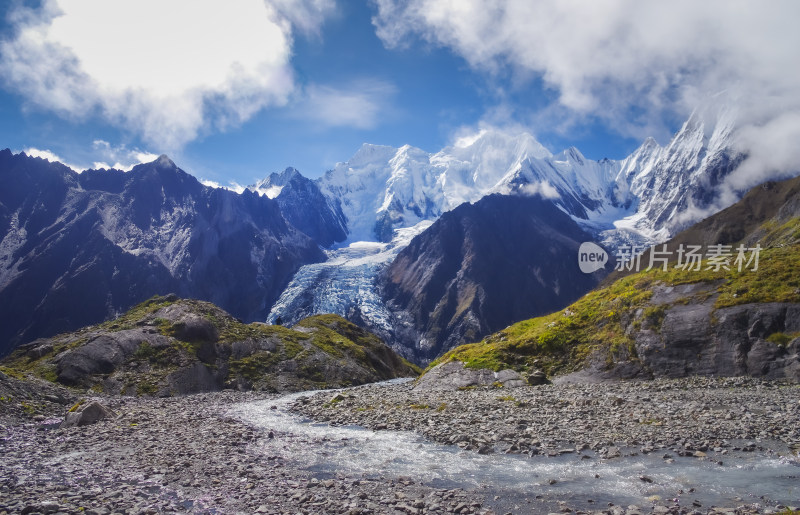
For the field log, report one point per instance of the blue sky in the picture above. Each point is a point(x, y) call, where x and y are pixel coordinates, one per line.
point(233, 91)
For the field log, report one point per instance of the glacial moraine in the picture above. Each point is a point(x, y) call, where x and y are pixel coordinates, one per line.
point(617, 448)
point(684, 445)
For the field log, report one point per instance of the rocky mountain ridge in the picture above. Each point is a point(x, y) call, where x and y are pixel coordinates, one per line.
point(653, 193)
point(304, 205)
point(77, 249)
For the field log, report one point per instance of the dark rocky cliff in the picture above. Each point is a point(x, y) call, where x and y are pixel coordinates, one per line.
point(76, 249)
point(481, 267)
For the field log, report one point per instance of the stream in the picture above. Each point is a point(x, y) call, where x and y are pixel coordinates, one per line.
point(582, 480)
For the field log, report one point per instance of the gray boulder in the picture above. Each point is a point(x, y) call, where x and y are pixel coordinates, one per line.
point(193, 379)
point(454, 374)
point(193, 328)
point(88, 414)
point(38, 348)
point(187, 325)
point(101, 355)
point(537, 377)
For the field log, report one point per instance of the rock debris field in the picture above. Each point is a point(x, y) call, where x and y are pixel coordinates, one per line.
point(687, 416)
point(708, 419)
point(189, 454)
point(184, 454)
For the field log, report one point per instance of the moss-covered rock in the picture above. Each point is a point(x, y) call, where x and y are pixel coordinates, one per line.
point(672, 323)
point(168, 346)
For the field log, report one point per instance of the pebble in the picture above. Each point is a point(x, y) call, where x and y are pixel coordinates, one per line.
point(699, 416)
point(185, 455)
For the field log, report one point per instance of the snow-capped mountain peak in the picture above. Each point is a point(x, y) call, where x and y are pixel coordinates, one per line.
point(367, 155)
point(570, 155)
point(382, 188)
point(654, 192)
point(274, 183)
point(493, 139)
point(678, 184)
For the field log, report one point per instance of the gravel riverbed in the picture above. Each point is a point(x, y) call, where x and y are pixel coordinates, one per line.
point(185, 454)
point(191, 455)
point(711, 419)
point(686, 415)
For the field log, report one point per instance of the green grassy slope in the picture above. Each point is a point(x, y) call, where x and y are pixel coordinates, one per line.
point(319, 352)
point(606, 319)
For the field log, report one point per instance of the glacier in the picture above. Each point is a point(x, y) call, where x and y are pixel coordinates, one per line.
point(345, 284)
point(387, 195)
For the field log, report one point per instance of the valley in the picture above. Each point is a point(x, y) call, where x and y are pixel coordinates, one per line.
point(213, 326)
point(668, 446)
point(399, 257)
point(427, 250)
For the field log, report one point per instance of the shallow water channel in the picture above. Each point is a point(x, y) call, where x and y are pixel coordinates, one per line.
point(583, 480)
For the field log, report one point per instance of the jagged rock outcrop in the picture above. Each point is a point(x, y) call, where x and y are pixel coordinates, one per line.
point(735, 342)
point(760, 340)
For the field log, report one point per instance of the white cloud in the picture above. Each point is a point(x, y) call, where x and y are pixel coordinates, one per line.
point(102, 153)
point(165, 70)
point(50, 156)
point(772, 147)
point(238, 188)
point(359, 104)
point(634, 65)
point(543, 189)
point(44, 154)
point(465, 137)
point(121, 156)
point(307, 15)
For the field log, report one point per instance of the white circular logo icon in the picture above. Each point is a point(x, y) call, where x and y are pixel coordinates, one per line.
point(591, 257)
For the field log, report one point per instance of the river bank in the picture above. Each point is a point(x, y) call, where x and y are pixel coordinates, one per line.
point(703, 437)
point(233, 452)
point(188, 455)
point(686, 416)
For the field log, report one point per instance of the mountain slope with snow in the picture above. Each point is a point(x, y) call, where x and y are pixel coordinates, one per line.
point(304, 205)
point(654, 192)
point(383, 188)
point(481, 267)
point(643, 199)
point(680, 184)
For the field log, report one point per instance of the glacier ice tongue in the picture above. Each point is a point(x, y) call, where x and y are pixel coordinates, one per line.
point(345, 283)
